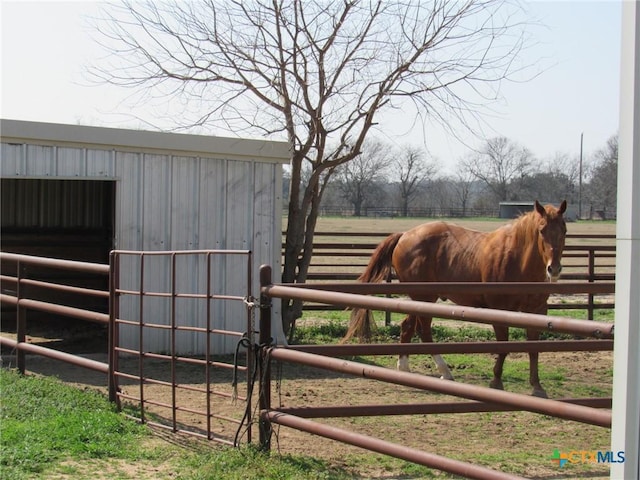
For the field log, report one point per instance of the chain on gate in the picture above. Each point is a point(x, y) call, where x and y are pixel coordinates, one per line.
point(247, 341)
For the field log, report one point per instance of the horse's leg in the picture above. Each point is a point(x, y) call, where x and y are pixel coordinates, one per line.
point(502, 335)
point(424, 329)
point(407, 330)
point(534, 379)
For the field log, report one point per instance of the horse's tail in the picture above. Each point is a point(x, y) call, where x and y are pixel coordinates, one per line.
point(378, 269)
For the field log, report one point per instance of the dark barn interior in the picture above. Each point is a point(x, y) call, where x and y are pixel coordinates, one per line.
point(67, 219)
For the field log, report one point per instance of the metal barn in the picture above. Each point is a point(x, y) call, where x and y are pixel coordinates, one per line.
point(514, 209)
point(77, 192)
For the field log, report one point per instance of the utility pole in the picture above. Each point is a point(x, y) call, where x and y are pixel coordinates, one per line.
point(580, 184)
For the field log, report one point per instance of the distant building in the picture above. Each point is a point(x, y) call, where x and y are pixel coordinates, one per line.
point(514, 209)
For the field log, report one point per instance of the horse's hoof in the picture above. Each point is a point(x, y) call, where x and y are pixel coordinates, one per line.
point(447, 377)
point(539, 392)
point(497, 384)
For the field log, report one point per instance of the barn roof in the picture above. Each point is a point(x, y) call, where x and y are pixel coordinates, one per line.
point(18, 131)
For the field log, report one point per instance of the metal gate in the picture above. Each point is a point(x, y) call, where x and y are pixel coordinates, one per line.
point(183, 340)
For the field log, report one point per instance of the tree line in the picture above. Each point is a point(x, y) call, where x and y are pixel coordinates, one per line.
point(385, 180)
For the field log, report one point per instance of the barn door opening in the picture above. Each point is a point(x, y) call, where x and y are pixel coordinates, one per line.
point(60, 218)
point(70, 219)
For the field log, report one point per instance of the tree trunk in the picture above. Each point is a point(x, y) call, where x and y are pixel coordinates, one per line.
point(405, 206)
point(301, 226)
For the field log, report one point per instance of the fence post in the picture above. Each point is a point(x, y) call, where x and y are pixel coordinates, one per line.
point(251, 335)
point(264, 368)
point(21, 317)
point(387, 314)
point(592, 272)
point(112, 335)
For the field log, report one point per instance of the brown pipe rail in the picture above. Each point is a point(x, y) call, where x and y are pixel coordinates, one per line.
point(56, 287)
point(56, 355)
point(467, 470)
point(454, 312)
point(444, 288)
point(506, 288)
point(72, 265)
point(23, 305)
point(456, 347)
point(64, 310)
point(423, 408)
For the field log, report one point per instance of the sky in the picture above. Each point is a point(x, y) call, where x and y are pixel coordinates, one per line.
point(46, 48)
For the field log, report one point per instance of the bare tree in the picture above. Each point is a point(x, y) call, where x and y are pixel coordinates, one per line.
point(555, 181)
point(319, 74)
point(500, 166)
point(412, 172)
point(462, 185)
point(437, 197)
point(357, 179)
point(603, 187)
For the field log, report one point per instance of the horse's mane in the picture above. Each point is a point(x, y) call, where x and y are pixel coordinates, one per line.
point(524, 225)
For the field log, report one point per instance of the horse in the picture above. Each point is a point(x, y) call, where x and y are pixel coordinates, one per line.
point(529, 249)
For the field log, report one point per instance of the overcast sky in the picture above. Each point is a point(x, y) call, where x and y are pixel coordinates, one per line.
point(46, 48)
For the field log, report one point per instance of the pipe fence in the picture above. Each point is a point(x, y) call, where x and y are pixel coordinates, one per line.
point(588, 411)
point(18, 289)
point(184, 310)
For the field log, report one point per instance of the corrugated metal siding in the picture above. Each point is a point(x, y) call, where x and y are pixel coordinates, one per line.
point(169, 202)
point(199, 203)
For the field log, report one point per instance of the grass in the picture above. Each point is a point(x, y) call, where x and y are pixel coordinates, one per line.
point(240, 464)
point(53, 430)
point(331, 325)
point(44, 422)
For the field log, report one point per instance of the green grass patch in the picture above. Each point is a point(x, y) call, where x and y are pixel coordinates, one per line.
point(600, 315)
point(44, 421)
point(48, 428)
point(249, 462)
point(331, 326)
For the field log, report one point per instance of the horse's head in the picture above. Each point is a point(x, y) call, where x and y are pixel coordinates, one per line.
point(552, 230)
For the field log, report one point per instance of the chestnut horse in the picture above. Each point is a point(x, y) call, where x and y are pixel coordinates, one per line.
point(529, 249)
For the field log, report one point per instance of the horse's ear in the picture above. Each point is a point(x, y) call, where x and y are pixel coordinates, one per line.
point(563, 207)
point(540, 209)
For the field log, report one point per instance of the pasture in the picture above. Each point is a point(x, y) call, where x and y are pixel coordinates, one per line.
point(384, 225)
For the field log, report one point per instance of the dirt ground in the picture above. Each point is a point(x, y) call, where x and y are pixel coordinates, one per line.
point(502, 441)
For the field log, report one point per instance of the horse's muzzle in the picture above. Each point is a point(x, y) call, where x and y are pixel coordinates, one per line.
point(553, 272)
